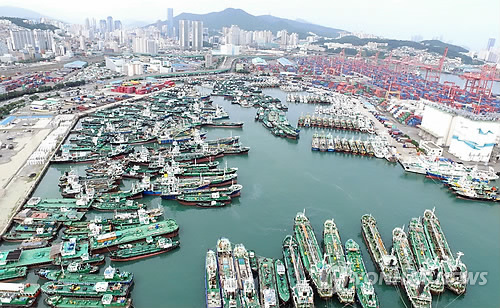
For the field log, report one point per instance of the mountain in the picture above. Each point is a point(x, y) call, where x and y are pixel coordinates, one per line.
point(429, 45)
point(20, 22)
point(19, 12)
point(246, 21)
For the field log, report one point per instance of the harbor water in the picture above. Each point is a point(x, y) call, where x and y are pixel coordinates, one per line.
point(281, 177)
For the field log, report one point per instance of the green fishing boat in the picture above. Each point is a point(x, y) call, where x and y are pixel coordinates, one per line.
point(413, 280)
point(386, 263)
point(111, 241)
point(281, 281)
point(208, 172)
point(342, 274)
point(212, 285)
point(192, 199)
point(11, 274)
point(364, 287)
point(455, 272)
point(424, 256)
point(316, 267)
point(148, 248)
point(116, 204)
point(18, 294)
point(106, 301)
point(86, 290)
point(111, 274)
point(44, 204)
point(267, 281)
point(302, 293)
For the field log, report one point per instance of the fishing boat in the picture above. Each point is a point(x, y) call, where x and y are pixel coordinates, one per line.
point(111, 274)
point(365, 293)
point(281, 281)
point(455, 272)
point(33, 243)
point(253, 260)
point(116, 204)
point(194, 199)
point(212, 285)
point(18, 294)
point(316, 267)
point(82, 268)
point(413, 281)
point(246, 284)
point(424, 256)
point(12, 274)
point(302, 293)
point(227, 274)
point(268, 292)
point(110, 241)
point(107, 300)
point(86, 290)
point(85, 259)
point(148, 248)
point(343, 276)
point(386, 263)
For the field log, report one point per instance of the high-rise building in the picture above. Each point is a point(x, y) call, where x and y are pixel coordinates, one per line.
point(184, 34)
point(293, 39)
point(110, 24)
point(491, 43)
point(170, 20)
point(21, 38)
point(43, 40)
point(197, 35)
point(87, 24)
point(118, 25)
point(102, 26)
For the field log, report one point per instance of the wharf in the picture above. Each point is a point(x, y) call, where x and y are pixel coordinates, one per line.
point(39, 256)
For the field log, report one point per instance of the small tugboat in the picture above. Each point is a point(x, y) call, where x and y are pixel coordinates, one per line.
point(302, 293)
point(387, 264)
point(149, 247)
point(364, 287)
point(268, 293)
point(212, 285)
point(281, 281)
point(107, 300)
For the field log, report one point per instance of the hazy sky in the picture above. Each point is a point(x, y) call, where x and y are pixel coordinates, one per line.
point(463, 22)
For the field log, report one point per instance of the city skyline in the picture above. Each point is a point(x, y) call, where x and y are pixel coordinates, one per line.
point(481, 22)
